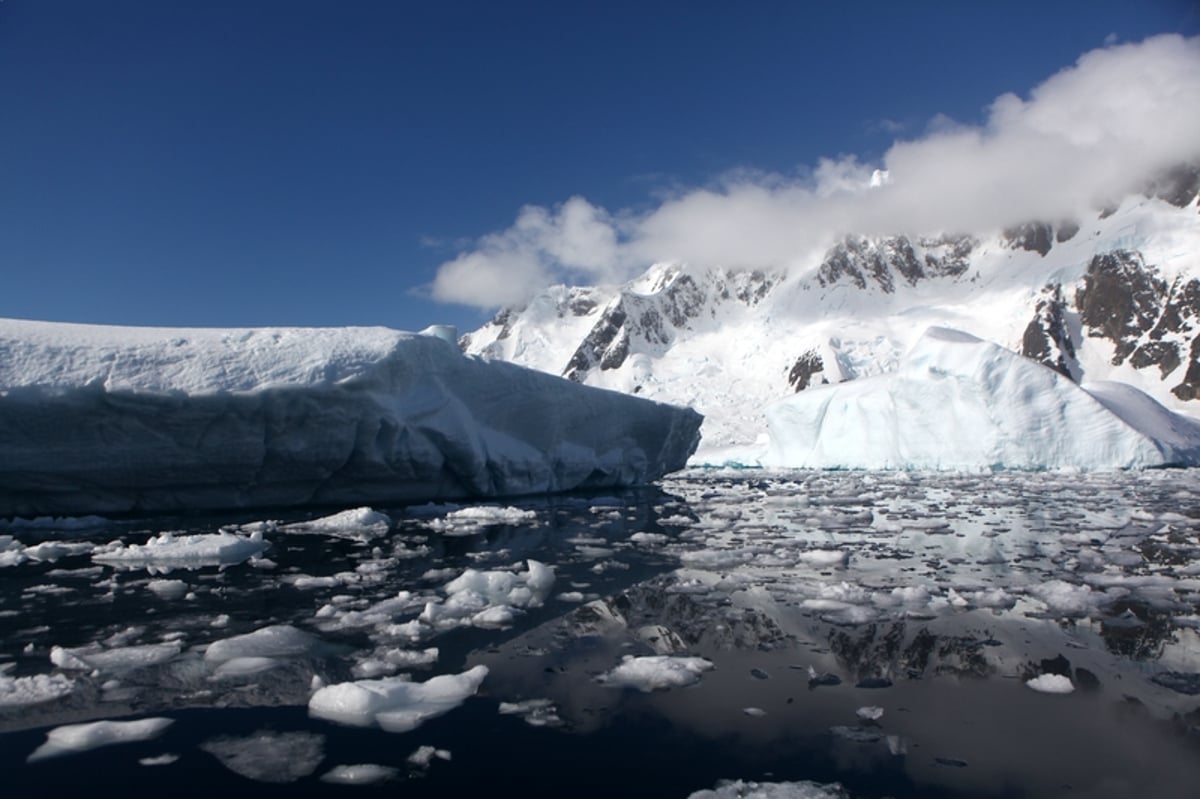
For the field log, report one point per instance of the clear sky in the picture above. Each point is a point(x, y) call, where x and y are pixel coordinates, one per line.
point(244, 162)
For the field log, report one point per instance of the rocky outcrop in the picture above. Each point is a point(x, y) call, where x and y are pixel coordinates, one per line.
point(1150, 322)
point(807, 366)
point(1120, 300)
point(1047, 337)
point(634, 322)
point(881, 262)
point(1033, 236)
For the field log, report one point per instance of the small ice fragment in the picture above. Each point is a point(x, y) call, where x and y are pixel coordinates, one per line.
point(160, 760)
point(1051, 684)
point(360, 774)
point(757, 712)
point(168, 589)
point(759, 674)
point(870, 713)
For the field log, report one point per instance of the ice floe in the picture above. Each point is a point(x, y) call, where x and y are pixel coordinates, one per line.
point(656, 672)
point(74, 738)
point(360, 774)
point(171, 550)
point(33, 689)
point(395, 704)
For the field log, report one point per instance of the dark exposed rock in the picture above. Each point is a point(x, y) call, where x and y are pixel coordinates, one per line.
point(859, 259)
point(1151, 323)
point(1047, 338)
point(1033, 236)
point(596, 345)
point(807, 365)
point(1189, 389)
point(581, 305)
point(648, 322)
point(948, 256)
point(1178, 186)
point(1066, 230)
point(1120, 300)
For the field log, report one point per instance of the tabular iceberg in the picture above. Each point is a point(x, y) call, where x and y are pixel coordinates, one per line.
point(958, 402)
point(98, 419)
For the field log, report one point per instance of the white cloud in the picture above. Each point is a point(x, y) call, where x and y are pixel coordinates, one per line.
point(1089, 134)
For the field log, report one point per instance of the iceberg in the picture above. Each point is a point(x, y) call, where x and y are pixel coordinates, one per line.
point(959, 402)
point(98, 419)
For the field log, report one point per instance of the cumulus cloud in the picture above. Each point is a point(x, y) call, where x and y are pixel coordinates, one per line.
point(1089, 134)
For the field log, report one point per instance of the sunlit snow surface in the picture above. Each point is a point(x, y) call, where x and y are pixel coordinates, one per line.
point(738, 632)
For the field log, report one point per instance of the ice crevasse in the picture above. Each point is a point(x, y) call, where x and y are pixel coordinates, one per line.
point(98, 419)
point(959, 402)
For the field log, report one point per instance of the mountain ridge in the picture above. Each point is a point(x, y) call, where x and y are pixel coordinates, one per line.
point(1113, 294)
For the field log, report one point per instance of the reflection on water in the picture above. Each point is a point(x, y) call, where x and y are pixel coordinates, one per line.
point(878, 630)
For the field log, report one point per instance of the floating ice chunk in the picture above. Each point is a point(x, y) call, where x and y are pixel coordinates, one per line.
point(74, 738)
point(33, 690)
point(356, 523)
point(535, 712)
point(395, 704)
point(176, 551)
point(424, 755)
point(1065, 599)
point(469, 520)
point(12, 552)
point(159, 760)
point(168, 589)
point(115, 659)
point(360, 774)
point(269, 756)
point(656, 672)
point(275, 641)
point(391, 660)
point(824, 558)
point(869, 713)
point(487, 598)
point(772, 790)
point(1051, 684)
point(51, 551)
point(757, 712)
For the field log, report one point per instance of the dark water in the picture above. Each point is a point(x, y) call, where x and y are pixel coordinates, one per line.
point(931, 597)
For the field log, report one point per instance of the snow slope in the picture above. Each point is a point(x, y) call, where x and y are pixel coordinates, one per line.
point(1112, 295)
point(110, 419)
point(957, 402)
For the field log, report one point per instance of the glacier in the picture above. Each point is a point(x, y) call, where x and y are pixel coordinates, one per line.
point(105, 419)
point(960, 402)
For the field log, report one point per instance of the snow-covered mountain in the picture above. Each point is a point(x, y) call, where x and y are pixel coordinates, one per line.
point(1110, 295)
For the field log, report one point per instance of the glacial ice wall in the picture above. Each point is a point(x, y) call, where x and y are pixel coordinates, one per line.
point(97, 419)
point(958, 402)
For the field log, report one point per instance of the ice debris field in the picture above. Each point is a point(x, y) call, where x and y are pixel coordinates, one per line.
point(733, 632)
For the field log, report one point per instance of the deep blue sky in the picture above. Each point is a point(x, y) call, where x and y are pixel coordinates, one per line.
point(200, 162)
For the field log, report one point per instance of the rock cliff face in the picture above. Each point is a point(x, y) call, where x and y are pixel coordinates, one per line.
point(1047, 337)
point(1108, 294)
